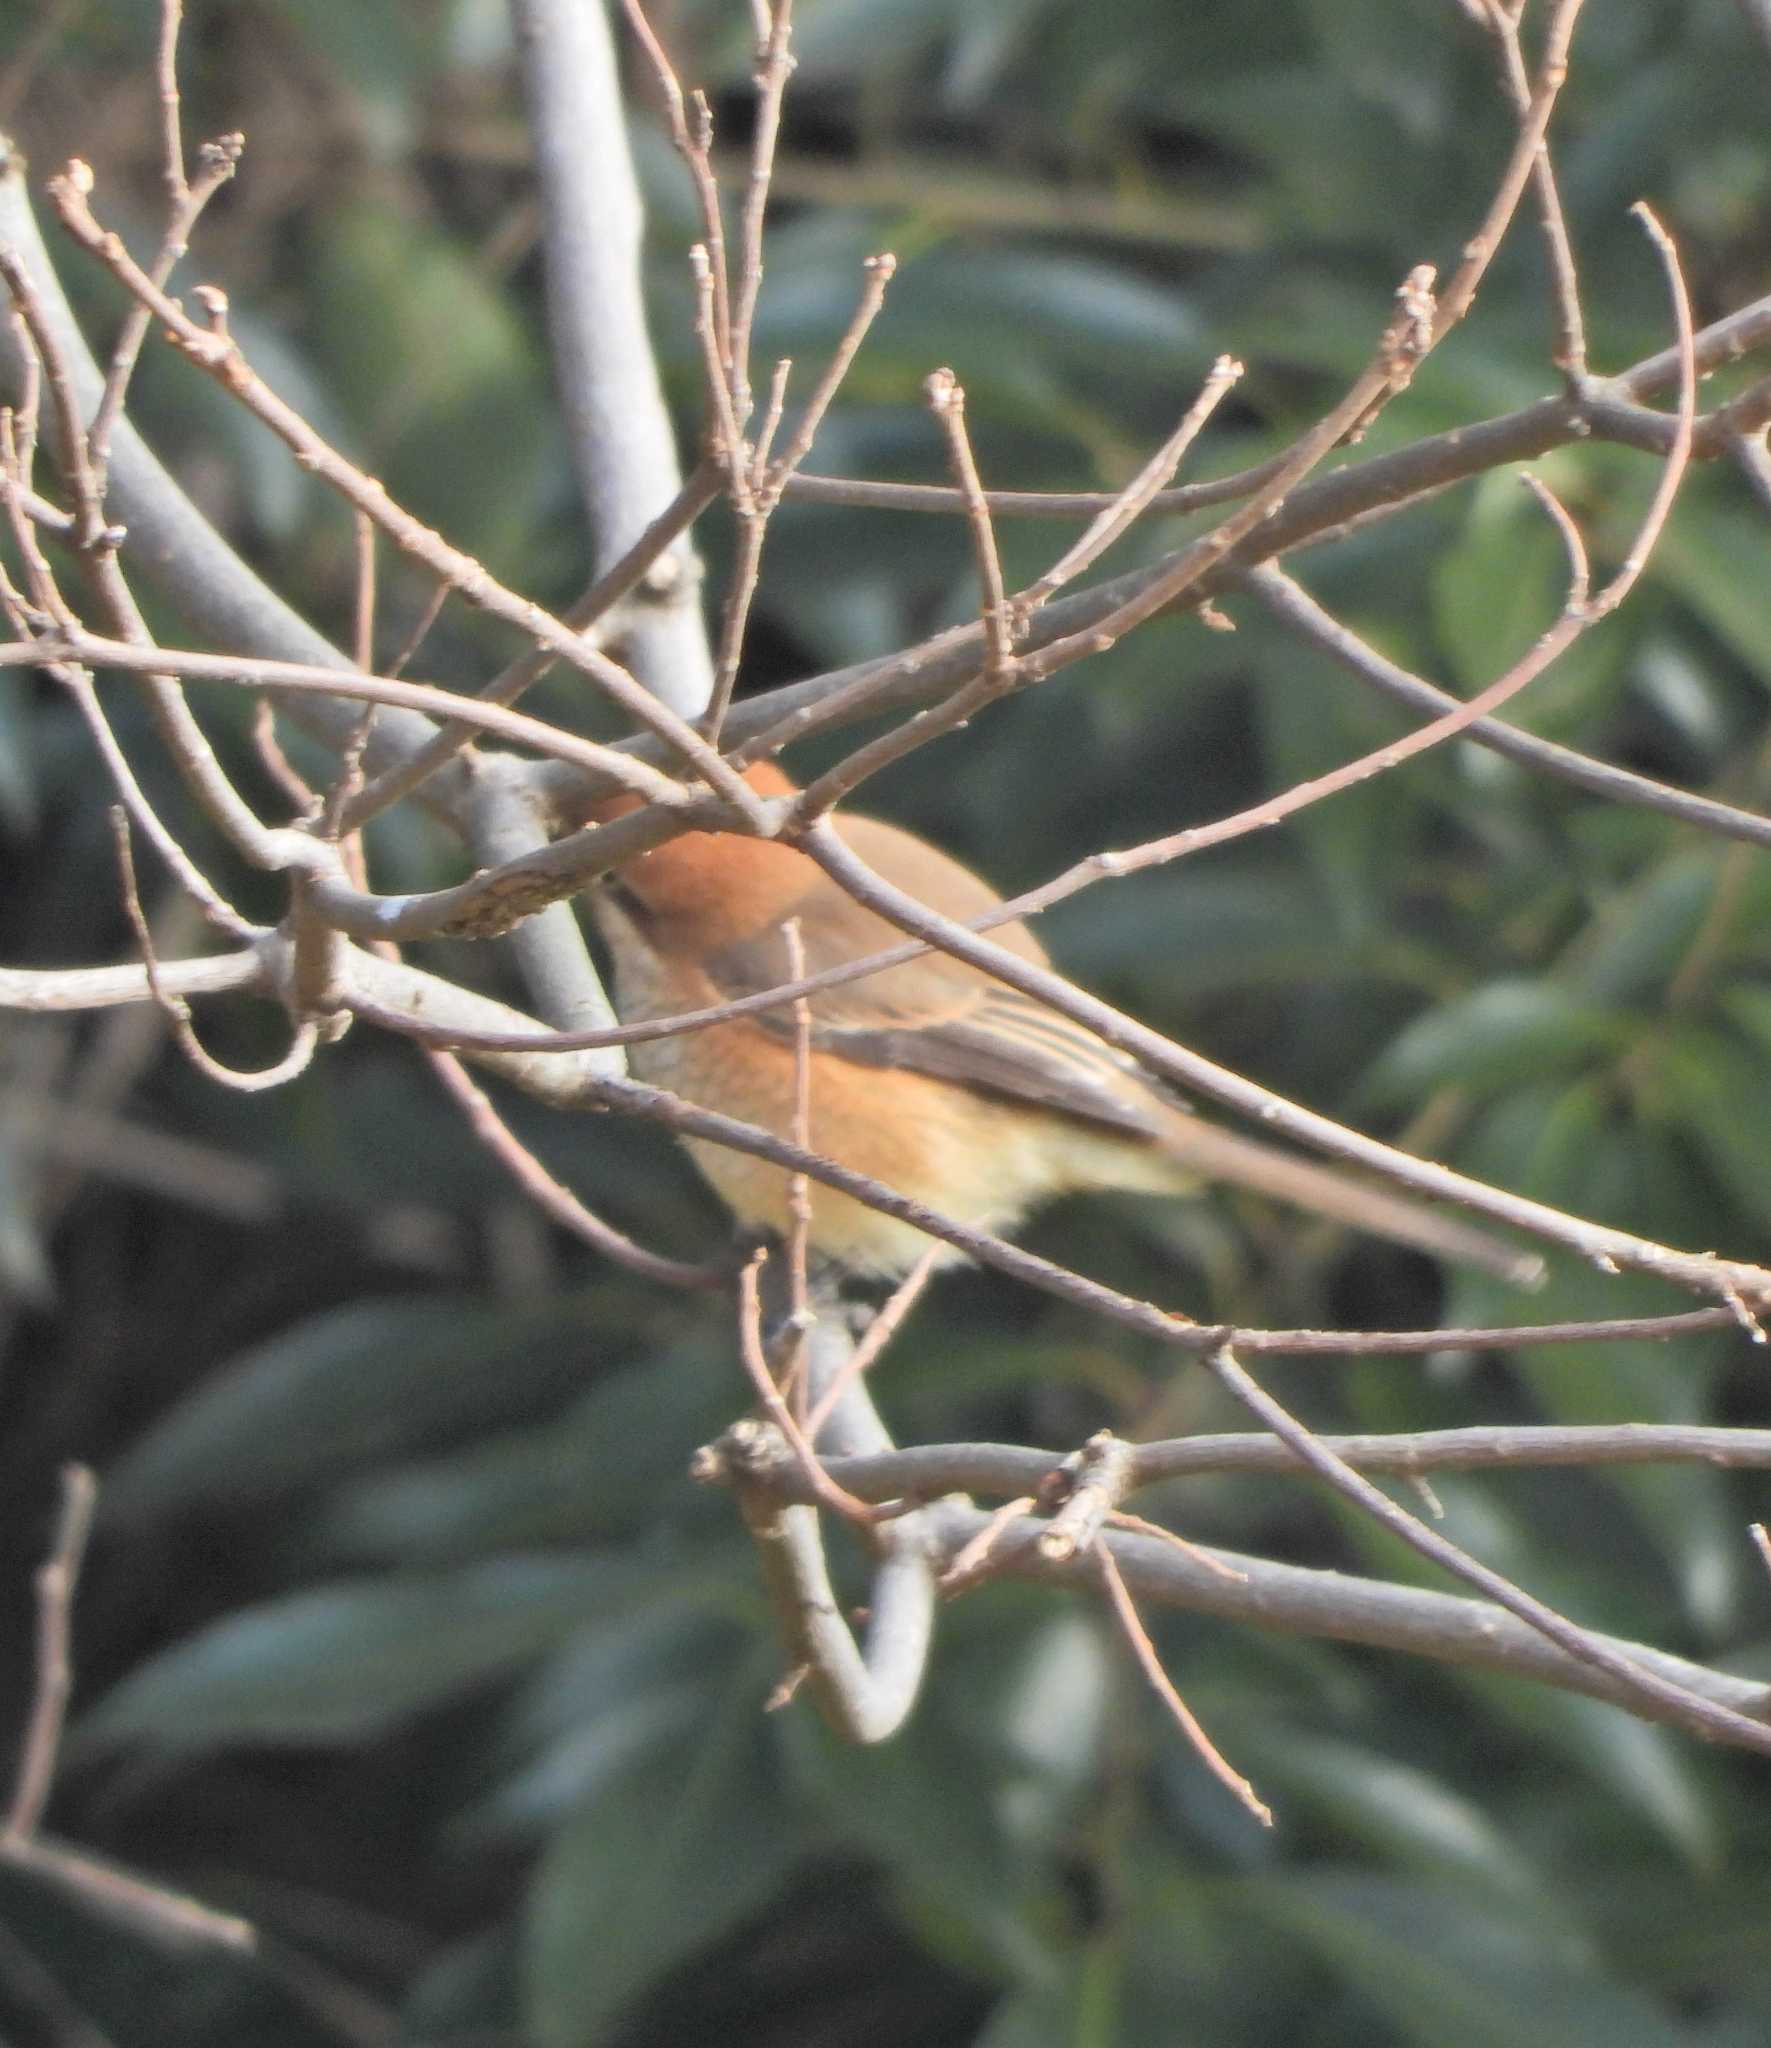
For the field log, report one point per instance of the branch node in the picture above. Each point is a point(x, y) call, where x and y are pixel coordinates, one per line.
point(1087, 1488)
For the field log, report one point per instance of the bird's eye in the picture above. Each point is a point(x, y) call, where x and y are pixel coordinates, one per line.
point(626, 900)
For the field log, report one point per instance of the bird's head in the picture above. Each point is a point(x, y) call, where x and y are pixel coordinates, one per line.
point(705, 890)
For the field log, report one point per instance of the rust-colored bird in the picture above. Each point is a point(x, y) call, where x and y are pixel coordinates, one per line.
point(931, 1077)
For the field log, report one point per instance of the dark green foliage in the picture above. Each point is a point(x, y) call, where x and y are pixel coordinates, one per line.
point(404, 1631)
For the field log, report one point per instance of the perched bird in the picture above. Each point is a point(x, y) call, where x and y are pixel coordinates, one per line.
point(931, 1076)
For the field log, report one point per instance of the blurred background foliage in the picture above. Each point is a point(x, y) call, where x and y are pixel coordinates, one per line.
point(404, 1632)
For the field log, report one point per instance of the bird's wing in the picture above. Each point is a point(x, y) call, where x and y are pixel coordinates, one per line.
point(937, 1015)
point(940, 1017)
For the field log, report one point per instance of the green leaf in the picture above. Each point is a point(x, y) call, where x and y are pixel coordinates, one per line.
point(1062, 2011)
point(1648, 1771)
point(1312, 720)
point(1501, 585)
point(469, 401)
point(1441, 1970)
point(664, 1860)
point(1714, 555)
point(1399, 1812)
point(344, 1389)
point(640, 1682)
point(1498, 1033)
point(1719, 1091)
point(930, 1805)
point(1645, 932)
point(338, 1663)
point(616, 1460)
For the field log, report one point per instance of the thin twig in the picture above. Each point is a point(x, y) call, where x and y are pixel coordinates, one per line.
point(349, 779)
point(171, 128)
point(750, 1350)
point(1137, 1525)
point(1138, 1637)
point(757, 493)
point(179, 731)
point(877, 273)
point(216, 909)
point(878, 1334)
point(1115, 517)
point(968, 1563)
point(774, 62)
point(1690, 1707)
point(735, 613)
point(771, 423)
point(57, 1580)
point(1296, 609)
point(170, 1918)
point(276, 763)
point(300, 679)
point(695, 147)
point(217, 162)
point(647, 553)
point(556, 1200)
point(946, 397)
point(177, 1011)
point(726, 432)
point(799, 1188)
point(427, 618)
point(1569, 352)
point(221, 356)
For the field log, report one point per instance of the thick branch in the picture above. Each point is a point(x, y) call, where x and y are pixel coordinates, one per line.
point(1006, 1471)
point(1292, 1600)
point(620, 438)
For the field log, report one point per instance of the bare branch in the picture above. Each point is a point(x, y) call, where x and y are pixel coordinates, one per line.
point(877, 273)
point(299, 679)
point(1289, 602)
point(174, 1008)
point(864, 1694)
point(799, 1188)
point(56, 1583)
point(1694, 1709)
point(880, 1332)
point(98, 988)
point(774, 66)
point(220, 355)
point(648, 557)
point(1339, 1606)
point(946, 397)
point(620, 437)
point(1569, 353)
point(167, 1917)
point(183, 738)
point(1137, 1636)
point(1095, 1480)
point(1115, 517)
point(695, 147)
point(927, 1471)
point(558, 1201)
point(750, 1349)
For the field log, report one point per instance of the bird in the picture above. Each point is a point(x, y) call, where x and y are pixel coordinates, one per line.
point(932, 1076)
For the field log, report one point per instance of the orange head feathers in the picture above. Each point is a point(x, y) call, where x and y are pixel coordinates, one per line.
point(714, 885)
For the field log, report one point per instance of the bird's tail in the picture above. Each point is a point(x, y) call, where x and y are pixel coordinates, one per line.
point(1218, 1154)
